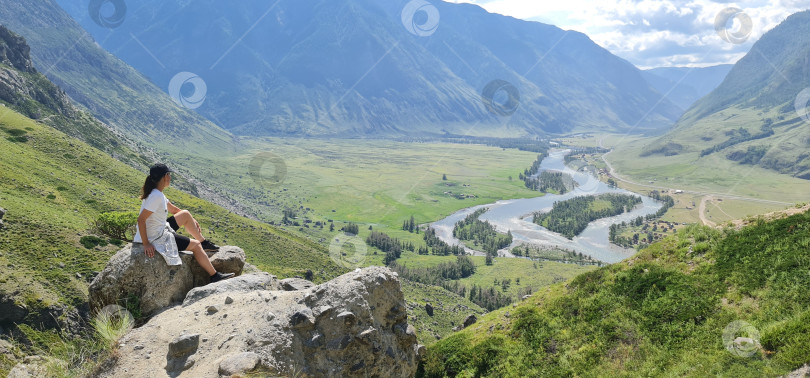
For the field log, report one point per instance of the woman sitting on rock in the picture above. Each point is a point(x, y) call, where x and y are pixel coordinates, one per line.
point(159, 234)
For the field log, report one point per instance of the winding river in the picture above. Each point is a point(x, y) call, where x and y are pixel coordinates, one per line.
point(515, 215)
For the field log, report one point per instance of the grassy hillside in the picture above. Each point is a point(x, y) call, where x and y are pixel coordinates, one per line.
point(54, 186)
point(112, 91)
point(751, 118)
point(663, 312)
point(449, 310)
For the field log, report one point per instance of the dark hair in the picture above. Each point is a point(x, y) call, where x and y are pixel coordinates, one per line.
point(148, 185)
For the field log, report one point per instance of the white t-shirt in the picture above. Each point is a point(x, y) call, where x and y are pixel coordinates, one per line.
point(157, 203)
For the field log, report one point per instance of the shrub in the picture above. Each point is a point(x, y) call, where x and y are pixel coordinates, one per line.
point(91, 241)
point(117, 225)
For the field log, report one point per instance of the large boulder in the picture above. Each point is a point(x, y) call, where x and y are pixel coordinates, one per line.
point(154, 285)
point(355, 326)
point(244, 283)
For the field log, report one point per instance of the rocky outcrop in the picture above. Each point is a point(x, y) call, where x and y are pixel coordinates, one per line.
point(20, 83)
point(14, 51)
point(130, 275)
point(801, 372)
point(241, 284)
point(470, 320)
point(355, 325)
point(292, 284)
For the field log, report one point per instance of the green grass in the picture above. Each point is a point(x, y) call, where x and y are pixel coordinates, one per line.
point(660, 313)
point(712, 173)
point(449, 310)
point(367, 182)
point(532, 274)
point(54, 187)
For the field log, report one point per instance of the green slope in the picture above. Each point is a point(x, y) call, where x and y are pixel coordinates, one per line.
point(751, 118)
point(54, 186)
point(661, 313)
point(114, 92)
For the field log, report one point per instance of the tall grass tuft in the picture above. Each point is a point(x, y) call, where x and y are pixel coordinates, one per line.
point(112, 323)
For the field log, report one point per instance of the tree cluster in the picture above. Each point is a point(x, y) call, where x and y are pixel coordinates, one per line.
point(410, 225)
point(351, 228)
point(614, 234)
point(572, 216)
point(557, 181)
point(439, 247)
point(482, 233)
point(446, 274)
point(392, 247)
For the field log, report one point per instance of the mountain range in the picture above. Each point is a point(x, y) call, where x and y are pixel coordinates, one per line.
point(685, 85)
point(757, 115)
point(98, 82)
point(365, 68)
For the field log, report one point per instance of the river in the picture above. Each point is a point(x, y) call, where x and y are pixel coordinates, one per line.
point(515, 215)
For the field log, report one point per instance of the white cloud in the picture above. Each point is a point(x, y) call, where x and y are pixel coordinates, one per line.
point(653, 33)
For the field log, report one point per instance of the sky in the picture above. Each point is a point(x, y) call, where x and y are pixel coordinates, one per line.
point(658, 33)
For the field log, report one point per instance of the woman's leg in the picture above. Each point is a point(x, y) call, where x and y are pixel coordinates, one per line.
point(201, 257)
point(185, 219)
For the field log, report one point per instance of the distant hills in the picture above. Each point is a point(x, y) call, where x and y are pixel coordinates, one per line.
point(107, 87)
point(753, 116)
point(361, 68)
point(685, 85)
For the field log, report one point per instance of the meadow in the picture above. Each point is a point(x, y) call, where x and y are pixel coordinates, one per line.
point(731, 190)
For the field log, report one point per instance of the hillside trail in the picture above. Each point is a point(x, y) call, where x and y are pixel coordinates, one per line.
point(702, 212)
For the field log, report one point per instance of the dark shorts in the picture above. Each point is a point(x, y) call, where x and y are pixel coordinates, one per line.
point(182, 241)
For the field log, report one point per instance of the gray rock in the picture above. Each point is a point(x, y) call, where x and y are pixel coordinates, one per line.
point(238, 363)
point(302, 319)
point(294, 284)
point(470, 320)
point(10, 311)
point(801, 372)
point(379, 342)
point(241, 284)
point(250, 268)
point(347, 317)
point(2, 212)
point(429, 309)
point(420, 351)
point(184, 345)
point(228, 300)
point(229, 259)
point(157, 285)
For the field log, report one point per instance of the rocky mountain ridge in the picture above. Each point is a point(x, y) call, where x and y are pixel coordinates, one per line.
point(359, 68)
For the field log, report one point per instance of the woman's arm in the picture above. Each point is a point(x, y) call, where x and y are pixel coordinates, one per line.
point(148, 248)
point(172, 209)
